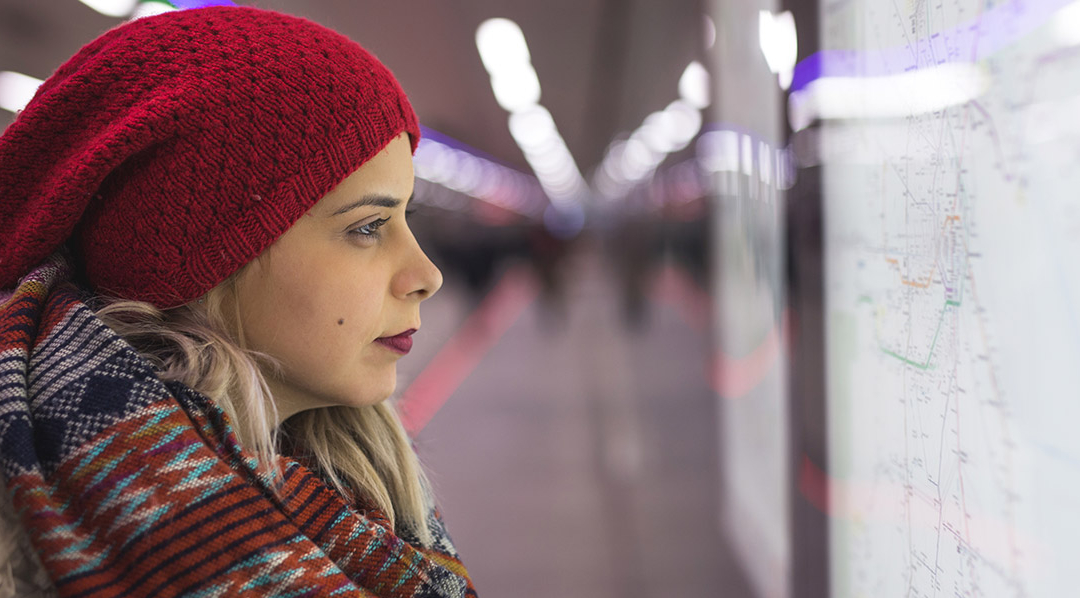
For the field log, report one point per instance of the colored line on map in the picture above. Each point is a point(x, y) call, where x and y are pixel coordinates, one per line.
point(929, 277)
point(930, 354)
point(925, 365)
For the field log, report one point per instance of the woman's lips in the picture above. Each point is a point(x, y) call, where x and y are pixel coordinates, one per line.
point(399, 343)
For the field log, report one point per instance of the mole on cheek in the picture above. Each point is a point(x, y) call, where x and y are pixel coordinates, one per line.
point(341, 321)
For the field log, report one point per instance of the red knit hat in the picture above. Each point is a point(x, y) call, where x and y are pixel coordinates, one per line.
point(174, 149)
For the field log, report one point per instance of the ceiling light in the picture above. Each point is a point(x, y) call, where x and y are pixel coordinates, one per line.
point(718, 151)
point(637, 158)
point(502, 45)
point(779, 43)
point(694, 85)
point(443, 166)
point(16, 90)
point(685, 122)
point(489, 179)
point(516, 90)
point(1066, 25)
point(656, 132)
point(548, 164)
point(516, 86)
point(532, 126)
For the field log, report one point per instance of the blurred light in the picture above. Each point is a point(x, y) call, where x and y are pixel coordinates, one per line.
point(710, 32)
point(637, 159)
point(1066, 25)
point(631, 161)
point(547, 155)
point(149, 8)
point(779, 43)
point(187, 4)
point(656, 132)
point(532, 126)
point(891, 96)
point(685, 122)
point(724, 152)
point(516, 89)
point(466, 175)
point(551, 160)
point(694, 85)
point(718, 151)
point(746, 154)
point(112, 8)
point(502, 45)
point(16, 90)
point(765, 162)
point(474, 176)
point(785, 168)
point(506, 57)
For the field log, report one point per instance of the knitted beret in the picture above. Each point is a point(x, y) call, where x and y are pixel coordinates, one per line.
point(174, 149)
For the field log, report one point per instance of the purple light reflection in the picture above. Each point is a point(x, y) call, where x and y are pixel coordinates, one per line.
point(968, 42)
point(186, 4)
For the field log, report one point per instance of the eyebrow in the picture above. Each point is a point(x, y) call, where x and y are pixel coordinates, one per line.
point(375, 199)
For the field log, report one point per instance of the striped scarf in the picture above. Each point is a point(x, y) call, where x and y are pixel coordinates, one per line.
point(131, 486)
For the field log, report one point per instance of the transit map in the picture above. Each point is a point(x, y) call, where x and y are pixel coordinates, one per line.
point(952, 252)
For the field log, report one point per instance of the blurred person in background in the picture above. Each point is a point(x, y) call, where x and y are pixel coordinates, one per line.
point(209, 279)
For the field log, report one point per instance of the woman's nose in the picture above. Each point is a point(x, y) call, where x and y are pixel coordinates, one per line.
point(419, 278)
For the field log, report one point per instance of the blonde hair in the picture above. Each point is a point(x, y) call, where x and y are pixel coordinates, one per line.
point(362, 450)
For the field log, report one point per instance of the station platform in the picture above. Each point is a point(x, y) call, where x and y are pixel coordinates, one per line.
point(571, 455)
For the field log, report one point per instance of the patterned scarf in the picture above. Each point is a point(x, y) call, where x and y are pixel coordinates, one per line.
point(130, 486)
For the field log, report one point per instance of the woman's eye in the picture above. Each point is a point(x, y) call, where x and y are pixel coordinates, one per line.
point(370, 229)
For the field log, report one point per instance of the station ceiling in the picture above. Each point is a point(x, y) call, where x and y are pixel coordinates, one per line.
point(603, 65)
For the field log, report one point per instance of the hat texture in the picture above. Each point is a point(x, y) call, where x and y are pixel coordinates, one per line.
point(173, 149)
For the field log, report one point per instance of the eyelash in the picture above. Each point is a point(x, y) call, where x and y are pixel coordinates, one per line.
point(369, 230)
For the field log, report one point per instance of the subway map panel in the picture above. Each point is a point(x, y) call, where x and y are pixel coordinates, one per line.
point(952, 226)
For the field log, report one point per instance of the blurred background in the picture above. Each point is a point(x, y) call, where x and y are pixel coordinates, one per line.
point(743, 297)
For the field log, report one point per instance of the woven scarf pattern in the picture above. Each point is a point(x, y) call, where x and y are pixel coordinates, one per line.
point(131, 486)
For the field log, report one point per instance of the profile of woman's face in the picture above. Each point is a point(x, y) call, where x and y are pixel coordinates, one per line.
point(346, 275)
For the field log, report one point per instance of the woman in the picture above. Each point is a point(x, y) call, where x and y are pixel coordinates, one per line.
point(210, 279)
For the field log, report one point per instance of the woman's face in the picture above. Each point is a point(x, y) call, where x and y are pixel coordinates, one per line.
point(347, 274)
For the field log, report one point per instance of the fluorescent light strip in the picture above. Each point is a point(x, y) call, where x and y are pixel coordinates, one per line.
point(506, 57)
point(727, 152)
point(890, 96)
point(466, 173)
point(1066, 25)
point(628, 162)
